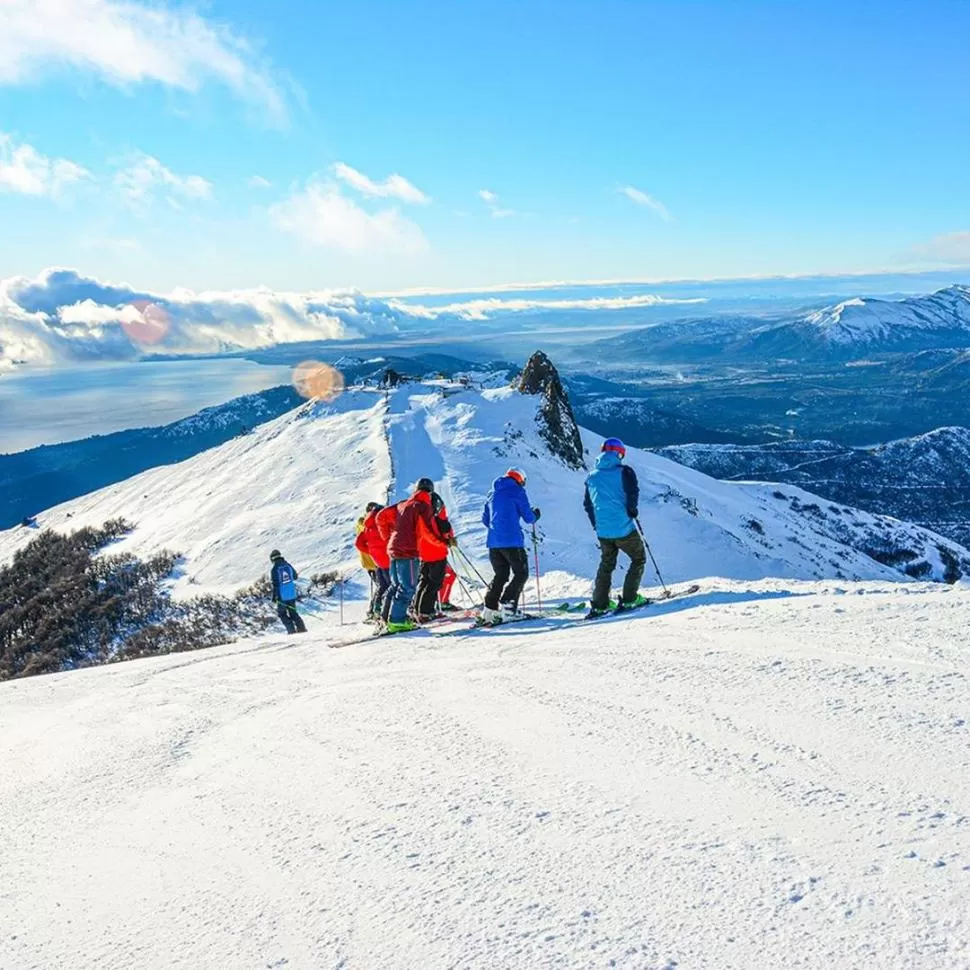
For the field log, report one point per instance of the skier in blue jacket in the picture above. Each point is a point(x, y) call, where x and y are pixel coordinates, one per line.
point(612, 504)
point(506, 507)
point(283, 577)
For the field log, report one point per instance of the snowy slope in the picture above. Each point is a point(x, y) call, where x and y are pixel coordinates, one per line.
point(766, 775)
point(299, 482)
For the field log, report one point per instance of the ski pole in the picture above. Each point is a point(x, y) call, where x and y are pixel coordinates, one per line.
point(471, 565)
point(341, 581)
point(650, 553)
point(535, 552)
point(463, 582)
point(470, 596)
point(460, 565)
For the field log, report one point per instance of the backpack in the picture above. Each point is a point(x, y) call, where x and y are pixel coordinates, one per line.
point(287, 581)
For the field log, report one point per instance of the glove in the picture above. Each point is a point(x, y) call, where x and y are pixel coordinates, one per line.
point(633, 513)
point(537, 514)
point(452, 542)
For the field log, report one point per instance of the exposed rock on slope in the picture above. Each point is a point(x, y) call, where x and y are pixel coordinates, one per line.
point(556, 421)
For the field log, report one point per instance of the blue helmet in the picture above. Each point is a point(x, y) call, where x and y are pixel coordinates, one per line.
point(614, 444)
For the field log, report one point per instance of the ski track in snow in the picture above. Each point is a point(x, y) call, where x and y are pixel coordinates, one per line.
point(768, 775)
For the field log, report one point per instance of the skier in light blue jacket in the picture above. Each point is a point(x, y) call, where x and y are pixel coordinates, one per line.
point(612, 504)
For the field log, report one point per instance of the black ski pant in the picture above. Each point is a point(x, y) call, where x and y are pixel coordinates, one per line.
point(506, 562)
point(380, 584)
point(286, 609)
point(429, 585)
point(632, 546)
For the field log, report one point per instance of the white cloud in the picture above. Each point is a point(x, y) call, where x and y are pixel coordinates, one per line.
point(393, 187)
point(322, 216)
point(258, 182)
point(641, 198)
point(949, 247)
point(62, 316)
point(87, 313)
point(130, 42)
point(486, 308)
point(147, 178)
point(24, 169)
point(491, 200)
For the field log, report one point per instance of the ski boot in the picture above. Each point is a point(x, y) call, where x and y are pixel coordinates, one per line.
point(490, 617)
point(639, 600)
point(405, 626)
point(595, 611)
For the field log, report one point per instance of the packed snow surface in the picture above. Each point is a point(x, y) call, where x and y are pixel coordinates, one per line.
point(769, 774)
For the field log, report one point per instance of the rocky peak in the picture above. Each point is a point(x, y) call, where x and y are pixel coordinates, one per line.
point(557, 423)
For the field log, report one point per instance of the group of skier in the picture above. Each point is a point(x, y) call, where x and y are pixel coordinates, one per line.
point(405, 548)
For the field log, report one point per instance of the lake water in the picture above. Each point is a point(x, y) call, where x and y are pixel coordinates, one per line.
point(47, 406)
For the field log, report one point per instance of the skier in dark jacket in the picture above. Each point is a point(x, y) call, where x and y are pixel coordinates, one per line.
point(283, 577)
point(507, 505)
point(612, 504)
point(403, 549)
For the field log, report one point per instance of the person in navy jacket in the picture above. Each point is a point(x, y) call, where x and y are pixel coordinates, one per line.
point(505, 509)
point(612, 503)
point(283, 577)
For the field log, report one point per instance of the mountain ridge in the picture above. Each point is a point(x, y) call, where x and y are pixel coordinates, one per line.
point(299, 481)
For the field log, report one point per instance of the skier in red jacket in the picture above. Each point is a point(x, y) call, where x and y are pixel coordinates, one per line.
point(433, 544)
point(386, 524)
point(371, 543)
point(405, 555)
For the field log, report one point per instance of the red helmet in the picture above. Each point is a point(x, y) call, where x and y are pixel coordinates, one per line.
point(517, 474)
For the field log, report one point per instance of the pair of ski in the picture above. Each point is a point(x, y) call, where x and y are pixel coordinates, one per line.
point(571, 609)
point(448, 626)
point(445, 626)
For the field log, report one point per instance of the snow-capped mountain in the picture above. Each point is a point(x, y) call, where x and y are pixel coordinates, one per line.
point(924, 479)
point(299, 482)
point(844, 331)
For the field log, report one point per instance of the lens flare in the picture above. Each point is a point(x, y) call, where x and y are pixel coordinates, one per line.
point(150, 324)
point(318, 381)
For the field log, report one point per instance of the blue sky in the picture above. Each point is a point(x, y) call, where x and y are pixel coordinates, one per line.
point(242, 144)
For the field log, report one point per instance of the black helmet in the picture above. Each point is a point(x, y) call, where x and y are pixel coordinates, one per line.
point(425, 485)
point(275, 554)
point(373, 506)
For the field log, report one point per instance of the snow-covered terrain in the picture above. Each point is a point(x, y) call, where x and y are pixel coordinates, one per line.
point(923, 479)
point(299, 482)
point(770, 772)
point(763, 775)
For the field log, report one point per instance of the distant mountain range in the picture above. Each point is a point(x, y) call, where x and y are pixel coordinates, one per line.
point(925, 479)
point(842, 332)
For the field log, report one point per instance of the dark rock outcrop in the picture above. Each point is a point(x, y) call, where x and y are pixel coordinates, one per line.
point(557, 423)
